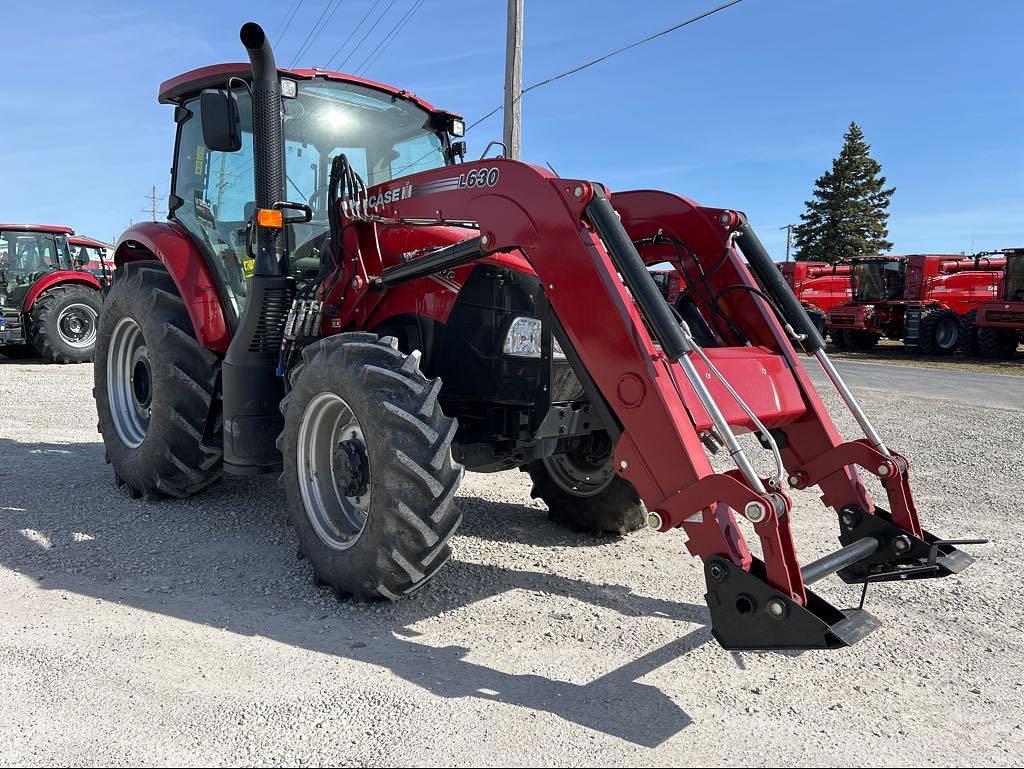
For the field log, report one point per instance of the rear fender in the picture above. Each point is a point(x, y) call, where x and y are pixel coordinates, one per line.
point(172, 245)
point(58, 278)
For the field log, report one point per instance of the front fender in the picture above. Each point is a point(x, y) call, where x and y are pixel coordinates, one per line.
point(172, 245)
point(60, 277)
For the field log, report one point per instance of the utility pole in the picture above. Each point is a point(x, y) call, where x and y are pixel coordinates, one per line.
point(513, 78)
point(152, 198)
point(789, 237)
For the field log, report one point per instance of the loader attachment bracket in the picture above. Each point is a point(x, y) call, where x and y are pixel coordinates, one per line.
point(748, 614)
point(900, 555)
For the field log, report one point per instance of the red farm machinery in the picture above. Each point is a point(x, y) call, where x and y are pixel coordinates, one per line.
point(339, 298)
point(920, 300)
point(49, 302)
point(819, 286)
point(95, 256)
point(996, 327)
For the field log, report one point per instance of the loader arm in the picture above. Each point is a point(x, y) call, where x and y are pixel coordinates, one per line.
point(668, 394)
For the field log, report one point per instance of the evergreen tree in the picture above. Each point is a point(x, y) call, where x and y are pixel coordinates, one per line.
point(847, 215)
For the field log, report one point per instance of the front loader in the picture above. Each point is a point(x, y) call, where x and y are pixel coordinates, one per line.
point(337, 297)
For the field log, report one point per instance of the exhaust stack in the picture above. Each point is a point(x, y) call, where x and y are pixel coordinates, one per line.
point(250, 385)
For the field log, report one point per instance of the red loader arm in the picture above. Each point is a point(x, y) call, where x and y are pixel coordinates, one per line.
point(665, 396)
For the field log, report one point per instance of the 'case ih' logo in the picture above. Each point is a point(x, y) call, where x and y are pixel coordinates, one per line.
point(390, 196)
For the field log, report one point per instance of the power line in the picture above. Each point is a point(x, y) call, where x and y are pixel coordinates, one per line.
point(379, 18)
point(317, 29)
point(288, 22)
point(389, 38)
point(609, 55)
point(152, 198)
point(351, 34)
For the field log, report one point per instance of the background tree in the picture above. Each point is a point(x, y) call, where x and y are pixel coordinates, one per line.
point(847, 215)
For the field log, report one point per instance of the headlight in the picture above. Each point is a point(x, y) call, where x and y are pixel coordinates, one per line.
point(523, 340)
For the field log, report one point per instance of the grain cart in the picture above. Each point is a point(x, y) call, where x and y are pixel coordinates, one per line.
point(48, 302)
point(918, 299)
point(995, 328)
point(338, 299)
point(819, 286)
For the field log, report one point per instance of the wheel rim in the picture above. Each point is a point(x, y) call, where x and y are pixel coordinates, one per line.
point(76, 325)
point(333, 470)
point(947, 332)
point(129, 382)
point(579, 474)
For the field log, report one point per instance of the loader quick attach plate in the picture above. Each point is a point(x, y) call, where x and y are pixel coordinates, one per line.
point(900, 554)
point(748, 614)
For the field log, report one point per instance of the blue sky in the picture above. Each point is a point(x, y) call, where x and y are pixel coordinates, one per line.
point(744, 109)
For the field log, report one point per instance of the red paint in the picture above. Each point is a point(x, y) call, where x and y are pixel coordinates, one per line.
point(57, 278)
point(57, 229)
point(171, 244)
point(1006, 310)
point(818, 284)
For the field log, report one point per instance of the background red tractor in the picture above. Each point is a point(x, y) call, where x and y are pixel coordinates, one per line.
point(411, 316)
point(919, 299)
point(96, 256)
point(49, 302)
point(819, 286)
point(995, 328)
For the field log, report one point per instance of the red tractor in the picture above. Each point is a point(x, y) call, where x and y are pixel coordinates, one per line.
point(337, 298)
point(919, 299)
point(995, 328)
point(819, 286)
point(95, 255)
point(49, 303)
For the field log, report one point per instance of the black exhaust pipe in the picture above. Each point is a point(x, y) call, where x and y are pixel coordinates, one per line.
point(251, 388)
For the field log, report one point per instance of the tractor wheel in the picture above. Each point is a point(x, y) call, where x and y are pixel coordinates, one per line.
point(62, 323)
point(368, 467)
point(19, 351)
point(817, 318)
point(997, 342)
point(940, 332)
point(155, 388)
point(584, 493)
point(968, 344)
point(861, 340)
point(838, 337)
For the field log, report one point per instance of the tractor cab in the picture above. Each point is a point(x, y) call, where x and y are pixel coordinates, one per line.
point(385, 134)
point(878, 279)
point(1013, 287)
point(27, 253)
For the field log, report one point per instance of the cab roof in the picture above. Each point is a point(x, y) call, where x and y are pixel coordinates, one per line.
point(82, 240)
point(173, 91)
point(59, 229)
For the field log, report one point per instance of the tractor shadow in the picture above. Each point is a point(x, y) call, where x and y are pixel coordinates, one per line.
point(226, 559)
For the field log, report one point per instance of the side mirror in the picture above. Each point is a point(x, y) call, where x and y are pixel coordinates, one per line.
point(222, 126)
point(458, 150)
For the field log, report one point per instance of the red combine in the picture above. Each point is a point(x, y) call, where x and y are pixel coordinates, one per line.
point(919, 299)
point(819, 286)
point(95, 255)
point(995, 328)
point(411, 316)
point(49, 303)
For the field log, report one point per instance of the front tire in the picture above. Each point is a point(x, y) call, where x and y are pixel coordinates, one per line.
point(968, 343)
point(998, 342)
point(940, 332)
point(368, 467)
point(584, 493)
point(63, 323)
point(155, 388)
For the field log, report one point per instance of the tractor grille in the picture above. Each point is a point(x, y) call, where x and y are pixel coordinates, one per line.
point(270, 326)
point(842, 320)
point(1005, 316)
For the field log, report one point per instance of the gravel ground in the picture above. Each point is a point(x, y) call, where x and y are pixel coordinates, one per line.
point(186, 633)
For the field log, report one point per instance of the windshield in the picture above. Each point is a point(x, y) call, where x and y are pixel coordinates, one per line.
point(876, 281)
point(383, 136)
point(26, 255)
point(1015, 277)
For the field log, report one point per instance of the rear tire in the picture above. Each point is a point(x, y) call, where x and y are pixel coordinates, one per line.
point(968, 343)
point(155, 388)
point(998, 342)
point(374, 511)
point(586, 495)
point(940, 332)
point(63, 323)
point(861, 340)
